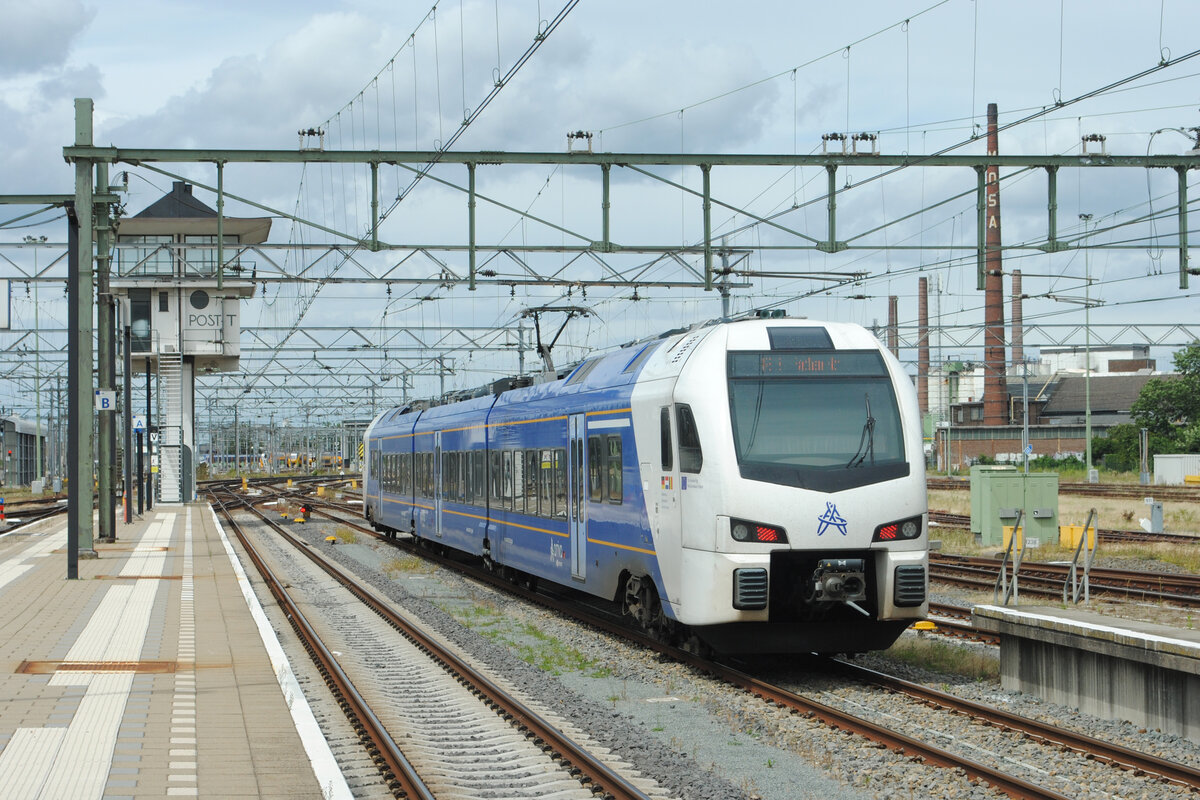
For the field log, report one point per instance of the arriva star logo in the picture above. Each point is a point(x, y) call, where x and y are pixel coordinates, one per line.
point(831, 517)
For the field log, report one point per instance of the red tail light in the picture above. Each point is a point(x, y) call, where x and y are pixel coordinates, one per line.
point(765, 534)
point(902, 530)
point(743, 531)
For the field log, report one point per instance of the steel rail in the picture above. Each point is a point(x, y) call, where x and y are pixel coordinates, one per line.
point(1176, 587)
point(955, 621)
point(1091, 747)
point(1114, 535)
point(591, 770)
point(1177, 493)
point(396, 769)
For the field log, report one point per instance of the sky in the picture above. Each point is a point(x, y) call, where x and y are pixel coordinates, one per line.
point(659, 77)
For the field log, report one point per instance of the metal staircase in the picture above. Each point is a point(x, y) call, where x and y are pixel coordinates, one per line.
point(170, 429)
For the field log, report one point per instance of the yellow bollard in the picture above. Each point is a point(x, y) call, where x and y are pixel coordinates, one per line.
point(320, 491)
point(289, 483)
point(353, 484)
point(245, 483)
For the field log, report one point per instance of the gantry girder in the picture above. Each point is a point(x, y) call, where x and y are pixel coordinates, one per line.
point(416, 161)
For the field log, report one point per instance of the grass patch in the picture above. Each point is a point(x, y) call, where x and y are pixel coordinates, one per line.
point(406, 565)
point(939, 656)
point(549, 654)
point(347, 535)
point(530, 643)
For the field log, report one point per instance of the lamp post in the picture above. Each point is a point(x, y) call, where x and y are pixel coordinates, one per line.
point(37, 362)
point(1087, 353)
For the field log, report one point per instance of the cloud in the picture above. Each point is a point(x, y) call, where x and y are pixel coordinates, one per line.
point(38, 35)
point(60, 88)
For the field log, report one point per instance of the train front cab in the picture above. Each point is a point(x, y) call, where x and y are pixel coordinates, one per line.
point(758, 557)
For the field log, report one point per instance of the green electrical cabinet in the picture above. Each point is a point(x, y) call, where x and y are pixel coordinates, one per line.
point(999, 492)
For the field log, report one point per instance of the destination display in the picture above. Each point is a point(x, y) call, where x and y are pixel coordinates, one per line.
point(841, 363)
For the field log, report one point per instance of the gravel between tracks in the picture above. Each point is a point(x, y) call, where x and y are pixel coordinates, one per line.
point(698, 738)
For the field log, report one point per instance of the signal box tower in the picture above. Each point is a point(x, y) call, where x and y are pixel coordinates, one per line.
point(182, 309)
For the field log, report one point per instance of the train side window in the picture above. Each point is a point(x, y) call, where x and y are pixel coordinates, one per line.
point(546, 482)
point(479, 471)
point(464, 466)
point(456, 476)
point(531, 483)
point(496, 478)
point(691, 458)
point(507, 486)
point(664, 425)
point(560, 483)
point(464, 476)
point(615, 467)
point(520, 501)
point(595, 456)
point(449, 475)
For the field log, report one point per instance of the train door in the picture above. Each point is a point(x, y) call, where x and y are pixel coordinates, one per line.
point(437, 484)
point(668, 534)
point(576, 507)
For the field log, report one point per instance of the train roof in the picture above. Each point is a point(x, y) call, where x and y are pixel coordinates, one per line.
point(21, 425)
point(615, 368)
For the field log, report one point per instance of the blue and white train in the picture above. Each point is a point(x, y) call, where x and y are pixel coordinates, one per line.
point(756, 485)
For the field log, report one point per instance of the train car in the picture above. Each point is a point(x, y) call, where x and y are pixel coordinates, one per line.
point(19, 443)
point(755, 486)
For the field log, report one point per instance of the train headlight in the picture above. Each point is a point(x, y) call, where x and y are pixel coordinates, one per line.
point(898, 531)
point(743, 531)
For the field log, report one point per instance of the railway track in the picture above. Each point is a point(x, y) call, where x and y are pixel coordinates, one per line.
point(1115, 536)
point(475, 765)
point(1173, 493)
point(27, 512)
point(1047, 579)
point(776, 695)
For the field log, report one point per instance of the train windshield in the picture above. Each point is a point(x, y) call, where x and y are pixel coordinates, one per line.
point(818, 420)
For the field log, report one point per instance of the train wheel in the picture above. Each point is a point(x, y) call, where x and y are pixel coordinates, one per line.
point(642, 603)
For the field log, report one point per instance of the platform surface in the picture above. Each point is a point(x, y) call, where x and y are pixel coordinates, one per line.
point(145, 677)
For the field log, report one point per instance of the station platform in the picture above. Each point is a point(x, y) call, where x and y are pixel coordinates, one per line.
point(155, 674)
point(1113, 668)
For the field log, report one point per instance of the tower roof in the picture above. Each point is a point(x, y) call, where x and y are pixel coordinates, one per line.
point(178, 204)
point(180, 213)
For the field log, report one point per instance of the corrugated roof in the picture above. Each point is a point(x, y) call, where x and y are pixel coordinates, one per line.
point(1109, 393)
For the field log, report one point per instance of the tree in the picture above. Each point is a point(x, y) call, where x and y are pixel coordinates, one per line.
point(1170, 407)
point(1121, 446)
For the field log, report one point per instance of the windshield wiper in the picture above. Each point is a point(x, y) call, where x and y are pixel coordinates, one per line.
point(867, 438)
